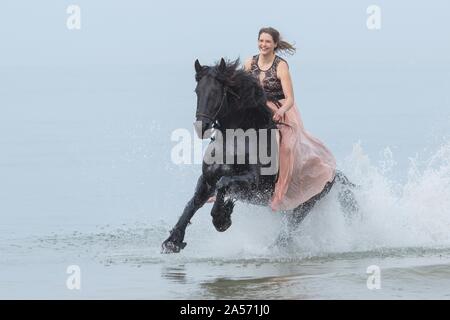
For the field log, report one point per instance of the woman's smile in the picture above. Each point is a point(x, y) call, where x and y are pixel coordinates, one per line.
point(266, 43)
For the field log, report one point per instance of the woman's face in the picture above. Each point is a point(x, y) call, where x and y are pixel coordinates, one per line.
point(266, 44)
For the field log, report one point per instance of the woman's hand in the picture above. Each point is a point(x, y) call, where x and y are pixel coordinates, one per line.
point(278, 116)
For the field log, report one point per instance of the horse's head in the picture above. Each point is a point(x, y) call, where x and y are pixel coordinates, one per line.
point(211, 96)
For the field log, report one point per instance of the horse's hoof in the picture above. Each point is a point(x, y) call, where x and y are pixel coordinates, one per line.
point(172, 247)
point(222, 220)
point(222, 223)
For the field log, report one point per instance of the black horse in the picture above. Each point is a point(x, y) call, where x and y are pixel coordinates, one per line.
point(230, 98)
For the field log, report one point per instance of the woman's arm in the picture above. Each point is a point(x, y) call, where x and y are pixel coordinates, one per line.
point(286, 83)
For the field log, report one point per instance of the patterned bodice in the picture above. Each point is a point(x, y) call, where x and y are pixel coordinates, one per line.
point(270, 83)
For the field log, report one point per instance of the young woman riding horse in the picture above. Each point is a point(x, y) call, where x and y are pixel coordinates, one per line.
point(260, 98)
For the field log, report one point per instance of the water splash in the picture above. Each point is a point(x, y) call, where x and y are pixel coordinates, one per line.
point(394, 214)
point(394, 217)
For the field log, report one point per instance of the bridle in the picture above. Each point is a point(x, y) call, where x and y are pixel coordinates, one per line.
point(226, 90)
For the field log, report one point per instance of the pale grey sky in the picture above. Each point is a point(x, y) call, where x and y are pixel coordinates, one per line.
point(142, 32)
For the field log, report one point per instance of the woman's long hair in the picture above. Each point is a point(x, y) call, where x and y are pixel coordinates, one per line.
point(281, 45)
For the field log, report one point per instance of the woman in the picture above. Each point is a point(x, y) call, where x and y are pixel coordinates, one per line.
point(305, 165)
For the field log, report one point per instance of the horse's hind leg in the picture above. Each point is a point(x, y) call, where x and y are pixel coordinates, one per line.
point(174, 243)
point(302, 211)
point(346, 197)
point(348, 202)
point(294, 219)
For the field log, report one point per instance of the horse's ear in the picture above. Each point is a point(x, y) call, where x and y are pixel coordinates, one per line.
point(198, 66)
point(222, 65)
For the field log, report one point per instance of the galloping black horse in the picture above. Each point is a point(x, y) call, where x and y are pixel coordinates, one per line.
point(230, 98)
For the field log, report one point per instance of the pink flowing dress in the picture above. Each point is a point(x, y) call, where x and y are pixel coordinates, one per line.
point(305, 164)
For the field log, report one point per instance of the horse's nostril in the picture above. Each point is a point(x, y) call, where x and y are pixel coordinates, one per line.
point(201, 126)
point(198, 128)
point(205, 126)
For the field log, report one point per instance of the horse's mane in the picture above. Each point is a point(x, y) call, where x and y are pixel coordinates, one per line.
point(251, 104)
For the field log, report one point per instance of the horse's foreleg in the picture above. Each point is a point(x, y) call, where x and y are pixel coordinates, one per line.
point(174, 243)
point(222, 210)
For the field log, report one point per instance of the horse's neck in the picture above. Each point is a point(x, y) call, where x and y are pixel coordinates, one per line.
point(245, 119)
point(230, 123)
